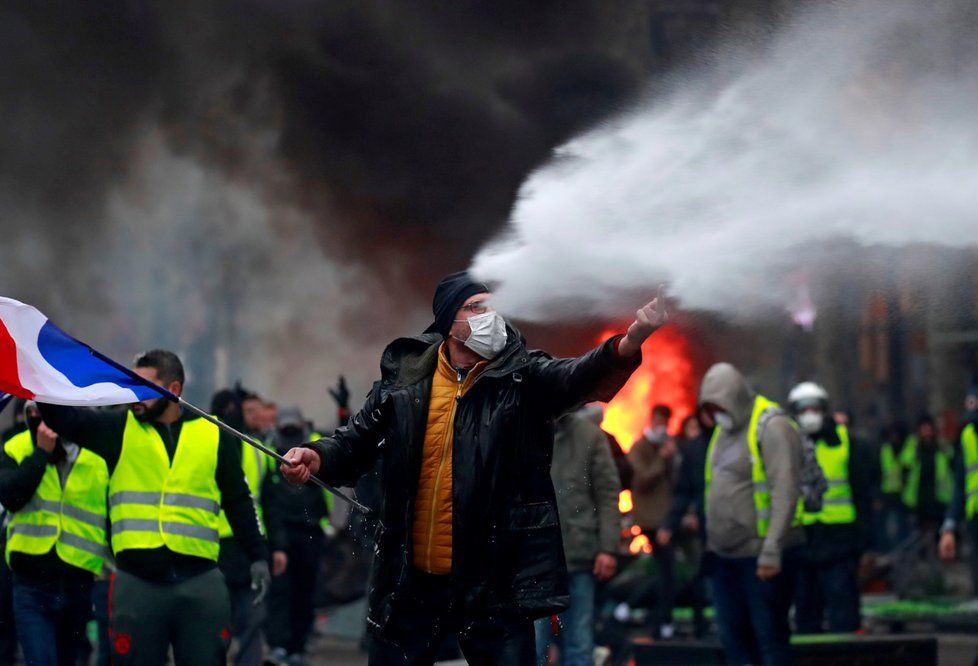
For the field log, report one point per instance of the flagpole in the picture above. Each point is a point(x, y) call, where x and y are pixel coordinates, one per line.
point(220, 424)
point(267, 451)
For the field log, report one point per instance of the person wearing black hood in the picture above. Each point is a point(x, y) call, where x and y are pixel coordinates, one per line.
point(463, 419)
point(19, 424)
point(827, 591)
point(303, 508)
point(963, 509)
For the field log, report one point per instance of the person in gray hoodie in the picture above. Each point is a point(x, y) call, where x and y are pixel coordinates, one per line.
point(753, 527)
point(587, 485)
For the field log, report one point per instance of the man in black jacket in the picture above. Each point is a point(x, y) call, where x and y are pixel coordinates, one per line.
point(303, 509)
point(163, 595)
point(498, 525)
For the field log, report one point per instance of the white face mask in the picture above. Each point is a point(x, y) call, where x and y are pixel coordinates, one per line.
point(724, 421)
point(488, 334)
point(811, 422)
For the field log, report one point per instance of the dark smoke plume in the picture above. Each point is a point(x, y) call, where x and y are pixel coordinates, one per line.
point(261, 184)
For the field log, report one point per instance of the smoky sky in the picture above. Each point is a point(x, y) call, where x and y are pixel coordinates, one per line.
point(272, 189)
point(417, 121)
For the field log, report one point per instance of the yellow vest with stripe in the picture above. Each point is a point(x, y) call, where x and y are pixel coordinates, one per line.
point(155, 503)
point(327, 496)
point(943, 481)
point(255, 465)
point(70, 519)
point(969, 449)
point(892, 470)
point(837, 505)
point(762, 493)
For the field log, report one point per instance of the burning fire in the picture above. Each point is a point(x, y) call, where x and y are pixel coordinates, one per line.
point(666, 376)
point(640, 544)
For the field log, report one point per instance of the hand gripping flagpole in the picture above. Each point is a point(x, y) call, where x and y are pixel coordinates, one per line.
point(225, 427)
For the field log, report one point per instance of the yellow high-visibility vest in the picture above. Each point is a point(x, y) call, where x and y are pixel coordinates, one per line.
point(943, 483)
point(837, 505)
point(70, 519)
point(892, 470)
point(762, 492)
point(255, 465)
point(155, 503)
point(969, 449)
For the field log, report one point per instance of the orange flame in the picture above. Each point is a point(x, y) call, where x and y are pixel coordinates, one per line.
point(640, 544)
point(666, 376)
point(625, 501)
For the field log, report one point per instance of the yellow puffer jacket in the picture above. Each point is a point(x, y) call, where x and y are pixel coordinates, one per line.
point(432, 530)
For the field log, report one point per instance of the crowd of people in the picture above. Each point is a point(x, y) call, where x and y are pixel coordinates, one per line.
point(167, 588)
point(495, 526)
point(779, 508)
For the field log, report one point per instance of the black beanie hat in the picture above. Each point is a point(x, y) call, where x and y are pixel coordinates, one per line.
point(450, 294)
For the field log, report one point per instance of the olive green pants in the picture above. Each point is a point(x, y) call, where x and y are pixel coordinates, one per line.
point(146, 618)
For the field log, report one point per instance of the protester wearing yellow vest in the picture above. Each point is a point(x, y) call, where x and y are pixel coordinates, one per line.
point(963, 508)
point(170, 474)
point(827, 594)
point(929, 480)
point(247, 616)
point(56, 537)
point(891, 521)
point(753, 518)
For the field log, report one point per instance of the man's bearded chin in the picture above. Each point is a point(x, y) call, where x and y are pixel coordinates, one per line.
point(148, 412)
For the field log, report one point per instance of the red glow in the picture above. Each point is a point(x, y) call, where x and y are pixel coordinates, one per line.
point(665, 376)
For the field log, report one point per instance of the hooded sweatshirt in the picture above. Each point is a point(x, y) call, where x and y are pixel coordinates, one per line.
point(731, 519)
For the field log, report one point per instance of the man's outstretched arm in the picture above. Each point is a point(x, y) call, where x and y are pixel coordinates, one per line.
point(599, 374)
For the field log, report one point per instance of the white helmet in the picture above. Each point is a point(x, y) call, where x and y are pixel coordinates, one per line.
point(807, 394)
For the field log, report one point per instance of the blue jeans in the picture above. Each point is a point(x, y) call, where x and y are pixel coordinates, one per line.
point(100, 599)
point(576, 637)
point(51, 620)
point(752, 615)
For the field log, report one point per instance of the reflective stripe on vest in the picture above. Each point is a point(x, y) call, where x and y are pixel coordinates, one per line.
point(70, 519)
point(327, 496)
point(155, 503)
point(762, 492)
point(255, 465)
point(943, 478)
point(837, 506)
point(892, 470)
point(969, 447)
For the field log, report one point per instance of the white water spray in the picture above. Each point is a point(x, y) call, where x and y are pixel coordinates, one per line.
point(858, 121)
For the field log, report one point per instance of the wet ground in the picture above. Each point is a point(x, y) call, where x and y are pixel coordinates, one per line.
point(953, 650)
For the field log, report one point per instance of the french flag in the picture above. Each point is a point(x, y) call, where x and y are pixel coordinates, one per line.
point(39, 361)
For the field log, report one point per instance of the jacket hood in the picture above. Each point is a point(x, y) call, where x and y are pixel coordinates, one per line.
point(409, 360)
point(725, 387)
point(594, 411)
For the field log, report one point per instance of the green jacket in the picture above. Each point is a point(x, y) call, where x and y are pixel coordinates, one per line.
point(587, 485)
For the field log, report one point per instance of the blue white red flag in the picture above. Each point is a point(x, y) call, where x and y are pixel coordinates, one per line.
point(39, 361)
